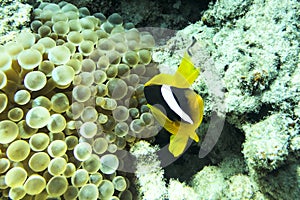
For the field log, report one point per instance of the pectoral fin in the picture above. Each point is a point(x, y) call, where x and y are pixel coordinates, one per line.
point(163, 120)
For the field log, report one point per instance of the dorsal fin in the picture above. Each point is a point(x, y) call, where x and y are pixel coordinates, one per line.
point(185, 75)
point(187, 69)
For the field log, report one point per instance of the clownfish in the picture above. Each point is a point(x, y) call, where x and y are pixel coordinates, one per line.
point(176, 107)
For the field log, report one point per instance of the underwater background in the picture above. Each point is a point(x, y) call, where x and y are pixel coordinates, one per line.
point(74, 121)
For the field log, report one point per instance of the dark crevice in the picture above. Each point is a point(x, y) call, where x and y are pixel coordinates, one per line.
point(255, 117)
point(171, 14)
point(188, 164)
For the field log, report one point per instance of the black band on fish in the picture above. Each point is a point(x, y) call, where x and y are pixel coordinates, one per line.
point(175, 104)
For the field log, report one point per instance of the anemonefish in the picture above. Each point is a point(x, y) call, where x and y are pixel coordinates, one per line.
point(176, 107)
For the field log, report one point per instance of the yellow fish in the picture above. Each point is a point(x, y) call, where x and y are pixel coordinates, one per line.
point(175, 106)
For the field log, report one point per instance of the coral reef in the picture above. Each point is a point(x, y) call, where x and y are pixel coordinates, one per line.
point(150, 176)
point(148, 171)
point(14, 16)
point(266, 146)
point(261, 94)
